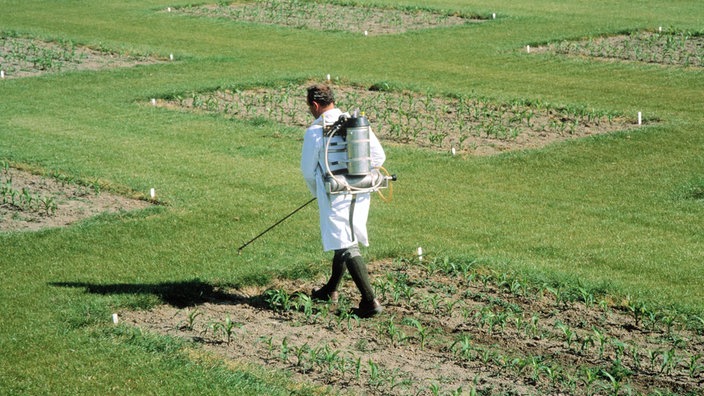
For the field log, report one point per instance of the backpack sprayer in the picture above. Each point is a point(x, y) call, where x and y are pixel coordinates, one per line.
point(348, 163)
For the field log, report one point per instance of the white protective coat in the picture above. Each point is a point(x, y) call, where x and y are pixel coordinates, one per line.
point(335, 209)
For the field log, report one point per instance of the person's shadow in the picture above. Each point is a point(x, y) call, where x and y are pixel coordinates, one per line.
point(178, 294)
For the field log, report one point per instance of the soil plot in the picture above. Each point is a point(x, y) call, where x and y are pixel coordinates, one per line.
point(31, 202)
point(667, 47)
point(361, 19)
point(449, 327)
point(25, 57)
point(473, 125)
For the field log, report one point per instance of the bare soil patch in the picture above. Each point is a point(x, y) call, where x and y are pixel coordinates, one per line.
point(448, 328)
point(671, 47)
point(462, 124)
point(31, 202)
point(25, 57)
point(362, 19)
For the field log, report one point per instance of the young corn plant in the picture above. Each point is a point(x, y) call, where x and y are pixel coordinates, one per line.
point(227, 328)
point(191, 318)
point(569, 334)
point(278, 300)
point(421, 331)
point(463, 347)
point(601, 339)
point(694, 367)
point(301, 353)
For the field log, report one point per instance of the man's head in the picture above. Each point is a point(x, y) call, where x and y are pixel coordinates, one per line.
point(320, 99)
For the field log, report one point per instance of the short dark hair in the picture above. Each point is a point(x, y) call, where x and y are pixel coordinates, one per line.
point(321, 94)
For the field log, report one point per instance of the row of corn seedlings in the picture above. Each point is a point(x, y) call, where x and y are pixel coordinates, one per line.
point(663, 352)
point(323, 359)
point(17, 53)
point(672, 47)
point(332, 317)
point(23, 199)
point(28, 56)
point(328, 17)
point(427, 119)
point(550, 338)
point(225, 329)
point(609, 363)
point(337, 365)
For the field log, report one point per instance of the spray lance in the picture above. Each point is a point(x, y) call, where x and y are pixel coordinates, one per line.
point(348, 168)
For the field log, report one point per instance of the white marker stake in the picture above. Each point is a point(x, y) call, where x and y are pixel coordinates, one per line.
point(420, 253)
point(327, 77)
point(640, 118)
point(453, 151)
point(168, 9)
point(366, 33)
point(493, 16)
point(115, 319)
point(660, 29)
point(2, 73)
point(171, 56)
point(152, 193)
point(528, 49)
point(153, 102)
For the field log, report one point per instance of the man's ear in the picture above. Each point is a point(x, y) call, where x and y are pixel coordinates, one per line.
point(315, 105)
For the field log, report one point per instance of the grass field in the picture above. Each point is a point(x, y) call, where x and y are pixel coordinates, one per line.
point(619, 213)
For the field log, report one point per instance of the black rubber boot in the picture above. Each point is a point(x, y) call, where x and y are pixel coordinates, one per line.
point(369, 306)
point(367, 309)
point(329, 291)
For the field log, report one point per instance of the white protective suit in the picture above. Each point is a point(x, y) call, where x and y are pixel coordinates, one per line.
point(337, 212)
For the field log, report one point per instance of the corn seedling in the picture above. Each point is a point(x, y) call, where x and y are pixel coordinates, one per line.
point(191, 318)
point(434, 389)
point(358, 368)
point(601, 338)
point(586, 296)
point(568, 333)
point(329, 357)
point(669, 361)
point(586, 342)
point(636, 356)
point(284, 350)
point(433, 302)
point(637, 308)
point(373, 373)
point(694, 367)
point(278, 300)
point(49, 205)
point(614, 382)
point(350, 319)
point(653, 355)
point(463, 347)
point(422, 331)
point(669, 322)
point(269, 342)
point(227, 328)
point(552, 372)
point(300, 353)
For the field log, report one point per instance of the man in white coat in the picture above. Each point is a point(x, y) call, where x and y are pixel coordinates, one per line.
point(343, 217)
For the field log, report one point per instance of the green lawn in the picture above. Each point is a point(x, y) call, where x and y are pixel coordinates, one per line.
point(614, 211)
